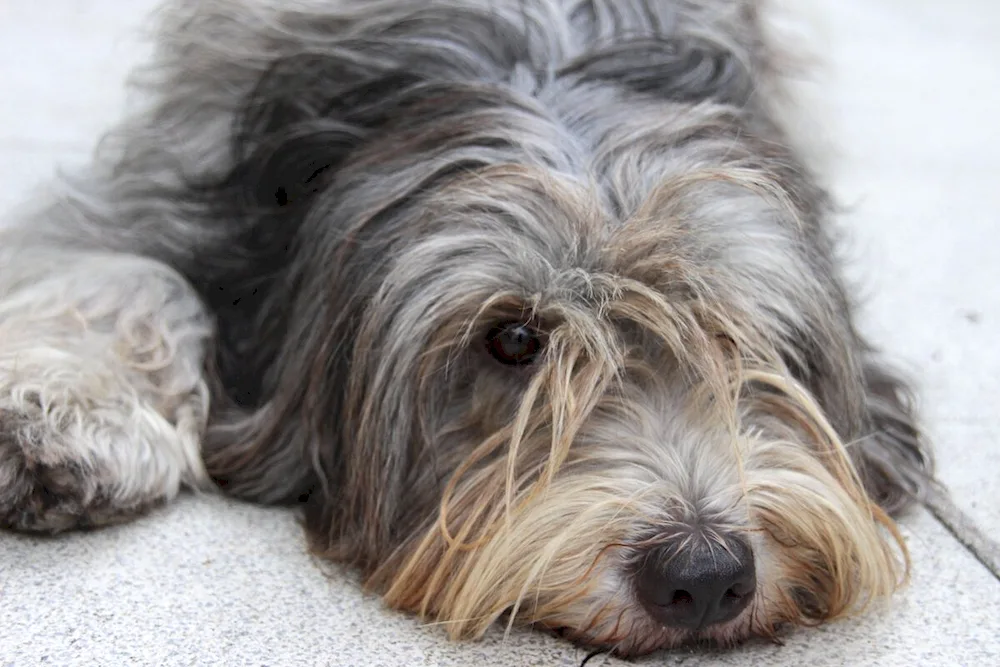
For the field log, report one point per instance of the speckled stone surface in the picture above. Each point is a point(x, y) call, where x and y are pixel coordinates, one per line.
point(208, 581)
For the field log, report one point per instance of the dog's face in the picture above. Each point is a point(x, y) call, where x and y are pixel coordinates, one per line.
point(599, 435)
point(569, 348)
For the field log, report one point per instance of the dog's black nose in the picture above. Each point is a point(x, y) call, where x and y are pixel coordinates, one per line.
point(691, 584)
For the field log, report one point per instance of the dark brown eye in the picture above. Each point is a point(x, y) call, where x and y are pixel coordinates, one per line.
point(514, 344)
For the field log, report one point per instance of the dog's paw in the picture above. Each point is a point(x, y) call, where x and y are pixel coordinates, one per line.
point(45, 489)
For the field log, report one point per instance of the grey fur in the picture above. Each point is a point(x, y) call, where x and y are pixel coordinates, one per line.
point(346, 185)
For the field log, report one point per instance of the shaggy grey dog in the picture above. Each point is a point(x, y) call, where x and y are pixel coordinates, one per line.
point(531, 304)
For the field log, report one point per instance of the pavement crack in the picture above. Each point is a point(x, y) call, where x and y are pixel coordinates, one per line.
point(984, 548)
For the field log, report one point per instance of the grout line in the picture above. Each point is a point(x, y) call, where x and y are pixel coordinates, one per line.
point(965, 530)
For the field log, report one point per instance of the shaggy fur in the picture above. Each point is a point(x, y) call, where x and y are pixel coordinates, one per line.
point(284, 276)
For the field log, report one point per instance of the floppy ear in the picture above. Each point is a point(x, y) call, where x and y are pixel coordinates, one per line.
point(306, 116)
point(869, 406)
point(895, 462)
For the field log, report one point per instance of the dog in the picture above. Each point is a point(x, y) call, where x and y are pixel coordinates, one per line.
point(533, 307)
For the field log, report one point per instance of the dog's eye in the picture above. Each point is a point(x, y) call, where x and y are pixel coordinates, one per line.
point(514, 344)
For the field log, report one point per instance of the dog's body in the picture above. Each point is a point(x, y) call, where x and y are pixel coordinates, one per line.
point(532, 304)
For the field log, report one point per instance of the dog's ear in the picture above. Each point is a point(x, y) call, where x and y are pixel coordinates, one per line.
point(892, 456)
point(871, 407)
point(305, 117)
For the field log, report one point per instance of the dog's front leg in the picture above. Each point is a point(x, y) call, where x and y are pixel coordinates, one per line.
point(102, 396)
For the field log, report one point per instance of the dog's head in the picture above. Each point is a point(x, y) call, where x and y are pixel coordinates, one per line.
point(567, 347)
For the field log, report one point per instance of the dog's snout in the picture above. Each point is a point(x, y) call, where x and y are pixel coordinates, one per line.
point(693, 584)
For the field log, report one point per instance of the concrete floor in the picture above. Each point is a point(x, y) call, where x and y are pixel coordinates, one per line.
point(913, 107)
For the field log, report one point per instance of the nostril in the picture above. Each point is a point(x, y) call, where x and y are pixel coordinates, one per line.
point(740, 590)
point(735, 597)
point(682, 597)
